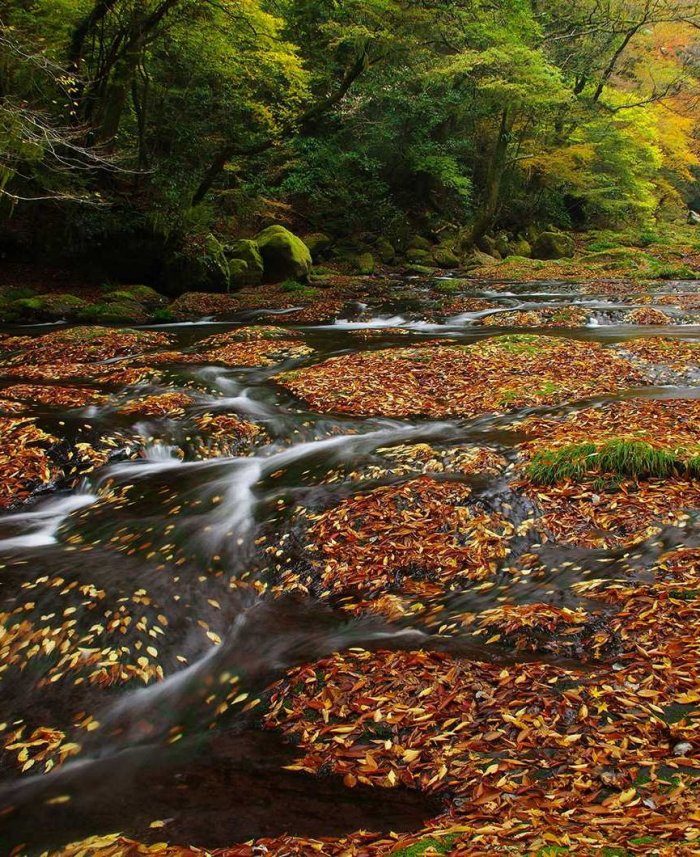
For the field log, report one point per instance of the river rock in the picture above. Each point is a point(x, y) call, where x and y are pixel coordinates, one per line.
point(553, 245)
point(385, 251)
point(284, 255)
point(245, 250)
point(520, 247)
point(318, 243)
point(479, 259)
point(445, 257)
point(364, 263)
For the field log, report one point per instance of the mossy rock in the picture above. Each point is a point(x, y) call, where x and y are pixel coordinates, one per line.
point(49, 307)
point(246, 250)
point(420, 243)
point(520, 247)
point(487, 244)
point(417, 254)
point(284, 255)
point(553, 245)
point(502, 244)
point(479, 259)
point(319, 244)
point(117, 312)
point(239, 274)
point(420, 270)
point(8, 312)
point(385, 251)
point(445, 257)
point(144, 295)
point(364, 263)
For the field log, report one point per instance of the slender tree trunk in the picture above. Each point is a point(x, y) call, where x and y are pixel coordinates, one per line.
point(612, 65)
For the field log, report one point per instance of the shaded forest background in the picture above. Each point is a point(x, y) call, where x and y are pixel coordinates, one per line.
point(133, 132)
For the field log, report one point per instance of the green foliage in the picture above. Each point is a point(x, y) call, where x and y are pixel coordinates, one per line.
point(187, 120)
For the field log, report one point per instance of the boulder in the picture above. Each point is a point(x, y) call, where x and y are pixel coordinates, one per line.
point(420, 270)
point(246, 251)
point(49, 307)
point(118, 312)
point(520, 247)
point(385, 250)
point(479, 259)
point(144, 295)
point(420, 243)
point(417, 254)
point(445, 257)
point(240, 275)
point(553, 245)
point(284, 255)
point(502, 245)
point(364, 263)
point(319, 244)
point(199, 266)
point(487, 245)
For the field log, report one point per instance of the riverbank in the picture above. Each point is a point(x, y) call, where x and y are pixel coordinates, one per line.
point(35, 295)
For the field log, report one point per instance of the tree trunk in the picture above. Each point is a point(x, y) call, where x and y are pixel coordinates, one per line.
point(494, 178)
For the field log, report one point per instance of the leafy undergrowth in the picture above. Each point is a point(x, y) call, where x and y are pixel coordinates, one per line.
point(441, 381)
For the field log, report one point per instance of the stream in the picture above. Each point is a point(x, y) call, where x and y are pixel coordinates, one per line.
point(176, 536)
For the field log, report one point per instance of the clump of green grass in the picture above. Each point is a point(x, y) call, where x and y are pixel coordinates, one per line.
point(299, 289)
point(633, 459)
point(520, 343)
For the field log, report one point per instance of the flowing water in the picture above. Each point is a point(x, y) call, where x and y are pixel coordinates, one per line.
point(216, 786)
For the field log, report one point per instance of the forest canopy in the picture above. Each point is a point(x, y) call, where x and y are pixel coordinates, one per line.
point(183, 118)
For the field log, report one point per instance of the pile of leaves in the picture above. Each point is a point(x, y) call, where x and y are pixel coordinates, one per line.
point(25, 460)
point(195, 305)
point(318, 312)
point(681, 357)
point(170, 405)
point(245, 334)
point(440, 381)
point(225, 435)
point(545, 317)
point(106, 374)
point(649, 315)
point(393, 547)
point(55, 396)
point(87, 345)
